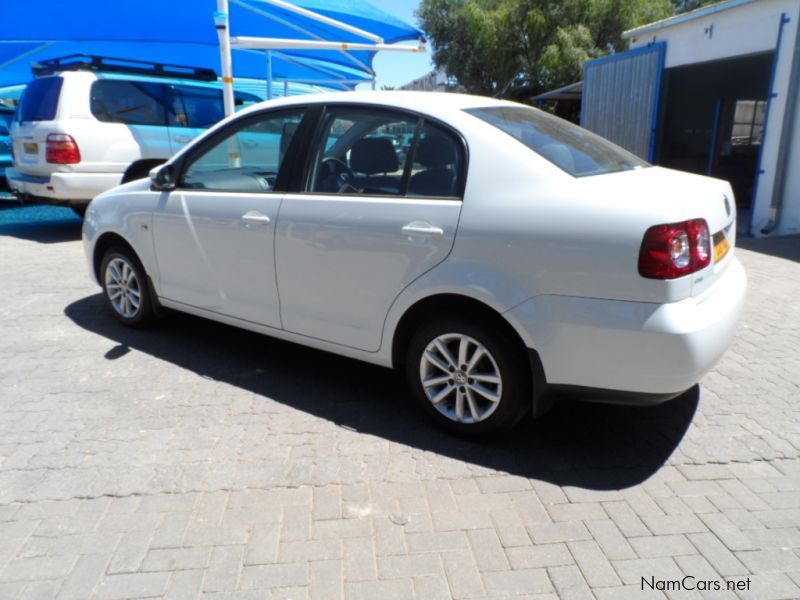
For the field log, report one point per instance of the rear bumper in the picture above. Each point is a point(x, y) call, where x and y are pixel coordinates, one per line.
point(62, 188)
point(615, 350)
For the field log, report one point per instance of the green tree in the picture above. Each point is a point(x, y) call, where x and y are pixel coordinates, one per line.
point(519, 48)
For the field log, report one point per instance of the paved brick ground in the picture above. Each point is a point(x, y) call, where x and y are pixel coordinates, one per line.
point(202, 461)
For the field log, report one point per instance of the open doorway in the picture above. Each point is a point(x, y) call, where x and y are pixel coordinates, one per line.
point(712, 122)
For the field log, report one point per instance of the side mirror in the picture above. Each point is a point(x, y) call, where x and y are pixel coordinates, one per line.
point(4, 131)
point(162, 177)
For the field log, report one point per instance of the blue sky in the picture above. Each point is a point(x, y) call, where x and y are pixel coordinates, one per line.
point(397, 68)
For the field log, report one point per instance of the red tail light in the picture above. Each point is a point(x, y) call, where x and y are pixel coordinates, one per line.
point(675, 249)
point(62, 149)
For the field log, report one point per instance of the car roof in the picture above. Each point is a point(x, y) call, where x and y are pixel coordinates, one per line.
point(426, 102)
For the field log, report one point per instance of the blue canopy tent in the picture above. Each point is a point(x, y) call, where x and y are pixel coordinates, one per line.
point(184, 32)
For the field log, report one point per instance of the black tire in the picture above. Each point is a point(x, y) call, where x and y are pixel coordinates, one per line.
point(140, 316)
point(506, 355)
point(79, 210)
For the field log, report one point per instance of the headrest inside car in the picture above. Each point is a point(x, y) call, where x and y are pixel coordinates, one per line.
point(436, 151)
point(373, 155)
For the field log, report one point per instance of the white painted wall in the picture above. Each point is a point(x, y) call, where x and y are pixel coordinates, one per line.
point(746, 29)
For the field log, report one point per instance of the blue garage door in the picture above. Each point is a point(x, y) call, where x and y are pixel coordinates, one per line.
point(621, 97)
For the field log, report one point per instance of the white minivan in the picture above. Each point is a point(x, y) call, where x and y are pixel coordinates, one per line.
point(87, 124)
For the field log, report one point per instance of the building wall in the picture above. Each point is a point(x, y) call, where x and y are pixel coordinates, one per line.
point(790, 221)
point(746, 28)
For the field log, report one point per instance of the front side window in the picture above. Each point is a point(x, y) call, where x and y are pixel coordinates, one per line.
point(129, 102)
point(573, 149)
point(247, 160)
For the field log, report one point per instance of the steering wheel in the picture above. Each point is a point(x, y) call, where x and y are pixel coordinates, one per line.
point(339, 168)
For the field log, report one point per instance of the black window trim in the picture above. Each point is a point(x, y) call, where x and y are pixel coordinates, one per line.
point(421, 119)
point(284, 179)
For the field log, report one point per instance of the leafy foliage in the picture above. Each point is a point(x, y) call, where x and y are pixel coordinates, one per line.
point(519, 48)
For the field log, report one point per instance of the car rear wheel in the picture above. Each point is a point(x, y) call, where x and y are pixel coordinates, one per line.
point(470, 378)
point(125, 287)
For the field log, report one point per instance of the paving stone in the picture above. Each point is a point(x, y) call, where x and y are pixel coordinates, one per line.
point(392, 589)
point(131, 585)
point(462, 573)
point(176, 559)
point(436, 542)
point(594, 566)
point(723, 560)
point(569, 583)
point(431, 587)
point(523, 581)
point(662, 545)
point(39, 567)
point(547, 533)
point(613, 543)
point(184, 585)
point(413, 565)
point(326, 580)
point(225, 565)
point(488, 551)
point(359, 559)
point(274, 576)
point(541, 555)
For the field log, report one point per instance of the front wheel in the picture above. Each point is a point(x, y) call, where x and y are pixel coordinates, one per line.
point(471, 378)
point(125, 286)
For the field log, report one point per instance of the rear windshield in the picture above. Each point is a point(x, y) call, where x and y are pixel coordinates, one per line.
point(575, 150)
point(40, 100)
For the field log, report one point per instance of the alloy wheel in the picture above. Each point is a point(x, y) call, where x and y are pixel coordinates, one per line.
point(460, 377)
point(122, 287)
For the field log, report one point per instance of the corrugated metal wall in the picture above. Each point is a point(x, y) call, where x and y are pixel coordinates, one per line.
point(620, 97)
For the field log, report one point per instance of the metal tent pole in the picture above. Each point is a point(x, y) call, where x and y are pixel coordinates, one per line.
point(269, 75)
point(221, 19)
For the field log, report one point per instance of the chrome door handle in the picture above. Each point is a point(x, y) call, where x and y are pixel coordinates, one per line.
point(254, 216)
point(249, 145)
point(181, 139)
point(422, 228)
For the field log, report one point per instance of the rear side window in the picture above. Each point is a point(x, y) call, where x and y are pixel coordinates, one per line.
point(199, 107)
point(575, 150)
point(40, 100)
point(129, 102)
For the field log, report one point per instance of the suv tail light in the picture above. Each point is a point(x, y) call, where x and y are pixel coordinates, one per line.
point(62, 149)
point(675, 249)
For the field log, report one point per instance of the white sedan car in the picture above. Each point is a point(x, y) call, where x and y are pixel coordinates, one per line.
point(499, 255)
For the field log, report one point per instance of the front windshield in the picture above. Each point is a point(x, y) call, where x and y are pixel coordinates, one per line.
point(577, 151)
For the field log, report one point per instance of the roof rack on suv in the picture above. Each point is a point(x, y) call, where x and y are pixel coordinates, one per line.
point(85, 62)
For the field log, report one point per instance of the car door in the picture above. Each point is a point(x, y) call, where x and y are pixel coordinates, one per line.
point(213, 234)
point(360, 232)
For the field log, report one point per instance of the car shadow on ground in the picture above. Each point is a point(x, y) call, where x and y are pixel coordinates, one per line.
point(787, 247)
point(579, 444)
point(43, 224)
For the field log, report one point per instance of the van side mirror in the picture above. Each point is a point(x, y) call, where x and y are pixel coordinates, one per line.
point(4, 131)
point(162, 177)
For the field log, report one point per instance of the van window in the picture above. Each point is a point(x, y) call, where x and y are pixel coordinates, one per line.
point(573, 149)
point(40, 100)
point(129, 102)
point(202, 107)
